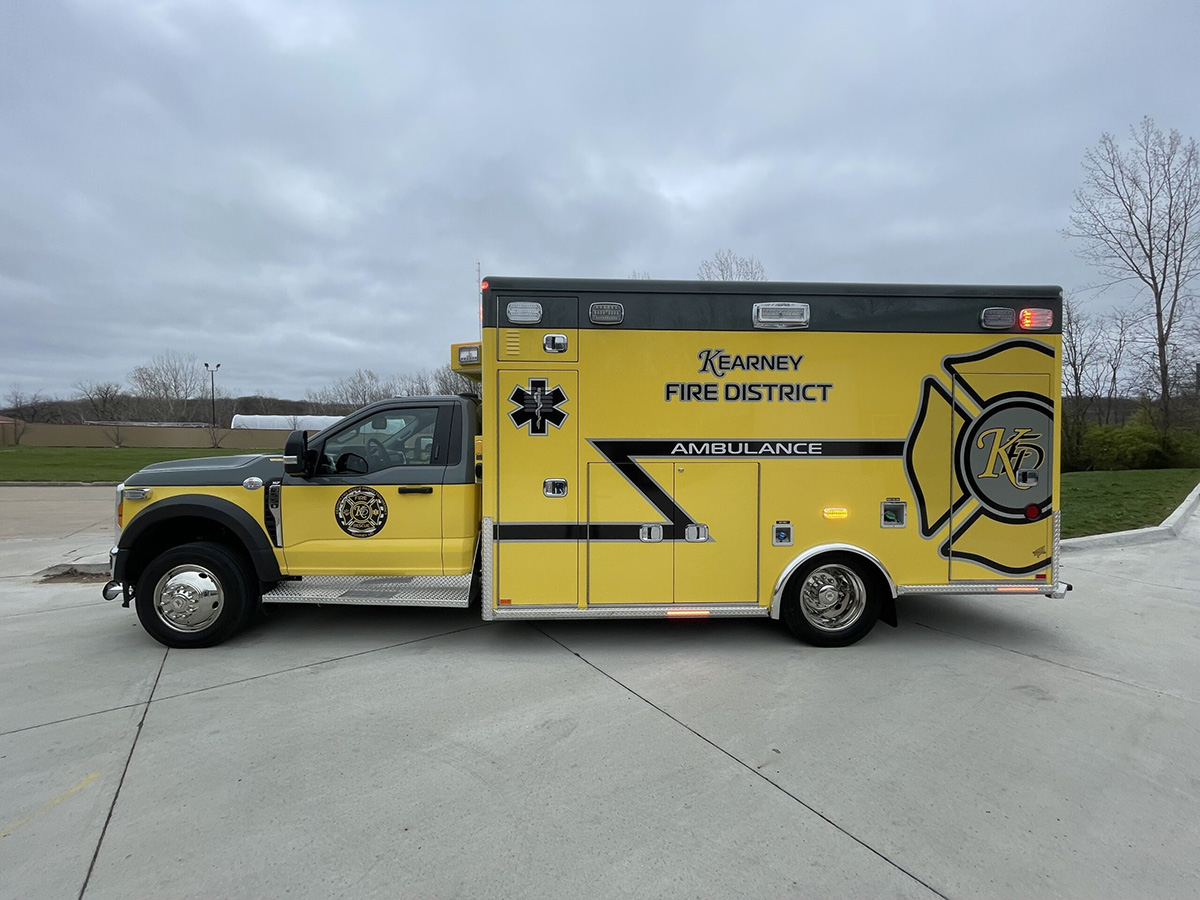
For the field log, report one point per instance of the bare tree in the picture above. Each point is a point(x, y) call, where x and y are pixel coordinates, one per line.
point(104, 401)
point(1137, 217)
point(361, 388)
point(726, 265)
point(29, 408)
point(1113, 378)
point(446, 381)
point(169, 383)
point(639, 274)
point(416, 384)
point(1081, 346)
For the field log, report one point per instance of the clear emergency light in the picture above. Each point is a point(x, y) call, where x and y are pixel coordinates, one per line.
point(524, 312)
point(780, 314)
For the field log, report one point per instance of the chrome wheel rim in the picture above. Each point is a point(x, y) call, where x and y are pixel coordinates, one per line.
point(832, 597)
point(188, 598)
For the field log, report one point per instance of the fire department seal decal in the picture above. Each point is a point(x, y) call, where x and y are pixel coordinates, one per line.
point(361, 512)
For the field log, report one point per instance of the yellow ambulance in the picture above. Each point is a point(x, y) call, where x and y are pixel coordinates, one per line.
point(808, 452)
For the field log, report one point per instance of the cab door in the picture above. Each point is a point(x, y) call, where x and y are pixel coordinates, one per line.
point(386, 520)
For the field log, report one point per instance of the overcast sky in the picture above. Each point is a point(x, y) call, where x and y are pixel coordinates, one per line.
point(300, 189)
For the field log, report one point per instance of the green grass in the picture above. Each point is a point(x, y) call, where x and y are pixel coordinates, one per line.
point(91, 463)
point(1100, 502)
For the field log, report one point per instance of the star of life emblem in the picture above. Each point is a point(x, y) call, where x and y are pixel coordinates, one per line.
point(538, 406)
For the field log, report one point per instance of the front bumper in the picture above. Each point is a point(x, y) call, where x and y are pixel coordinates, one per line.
point(117, 559)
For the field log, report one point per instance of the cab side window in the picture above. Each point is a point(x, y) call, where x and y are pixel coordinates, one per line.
point(396, 437)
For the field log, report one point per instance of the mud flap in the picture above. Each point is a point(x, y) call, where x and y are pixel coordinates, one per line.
point(887, 611)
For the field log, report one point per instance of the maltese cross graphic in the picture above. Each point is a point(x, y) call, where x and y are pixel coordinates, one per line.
point(538, 406)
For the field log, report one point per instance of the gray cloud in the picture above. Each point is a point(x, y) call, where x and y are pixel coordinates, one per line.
point(297, 190)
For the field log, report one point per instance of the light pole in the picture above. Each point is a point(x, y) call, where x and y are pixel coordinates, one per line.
point(212, 386)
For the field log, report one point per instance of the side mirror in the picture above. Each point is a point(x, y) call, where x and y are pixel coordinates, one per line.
point(295, 453)
point(352, 464)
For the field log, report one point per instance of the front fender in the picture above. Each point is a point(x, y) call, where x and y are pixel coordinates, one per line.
point(167, 515)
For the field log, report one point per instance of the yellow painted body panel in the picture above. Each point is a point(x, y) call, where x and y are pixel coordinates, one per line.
point(545, 572)
point(460, 527)
point(409, 543)
point(628, 571)
point(724, 497)
point(885, 387)
point(517, 345)
point(537, 574)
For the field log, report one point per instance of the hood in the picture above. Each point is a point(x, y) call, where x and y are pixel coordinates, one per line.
point(212, 470)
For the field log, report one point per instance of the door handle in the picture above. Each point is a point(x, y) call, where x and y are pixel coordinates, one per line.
point(423, 489)
point(650, 534)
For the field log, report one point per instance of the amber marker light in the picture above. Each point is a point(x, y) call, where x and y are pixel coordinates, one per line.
point(835, 512)
point(686, 613)
point(1032, 589)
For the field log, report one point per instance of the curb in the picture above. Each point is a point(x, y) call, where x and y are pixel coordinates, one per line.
point(72, 569)
point(1169, 530)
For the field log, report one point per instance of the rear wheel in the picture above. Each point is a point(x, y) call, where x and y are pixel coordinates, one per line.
point(195, 595)
point(833, 601)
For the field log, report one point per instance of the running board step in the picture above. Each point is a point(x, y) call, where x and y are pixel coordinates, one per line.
point(392, 590)
point(627, 611)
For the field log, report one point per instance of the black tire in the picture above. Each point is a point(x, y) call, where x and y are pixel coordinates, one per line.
point(196, 595)
point(834, 600)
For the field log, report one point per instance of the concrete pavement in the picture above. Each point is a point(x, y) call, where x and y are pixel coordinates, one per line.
point(1015, 747)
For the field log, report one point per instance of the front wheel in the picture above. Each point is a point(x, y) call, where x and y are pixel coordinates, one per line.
point(833, 601)
point(196, 595)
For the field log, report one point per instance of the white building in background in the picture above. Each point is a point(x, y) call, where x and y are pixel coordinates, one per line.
point(285, 423)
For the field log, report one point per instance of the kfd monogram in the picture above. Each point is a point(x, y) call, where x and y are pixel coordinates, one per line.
point(1020, 451)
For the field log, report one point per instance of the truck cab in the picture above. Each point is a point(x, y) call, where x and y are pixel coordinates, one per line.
point(388, 493)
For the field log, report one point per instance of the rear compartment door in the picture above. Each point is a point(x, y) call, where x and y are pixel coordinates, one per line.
point(1003, 458)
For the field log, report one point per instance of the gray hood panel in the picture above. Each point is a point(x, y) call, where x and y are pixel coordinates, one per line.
point(212, 470)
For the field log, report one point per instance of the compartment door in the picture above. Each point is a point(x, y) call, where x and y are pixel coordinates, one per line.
point(1003, 458)
point(630, 552)
point(537, 551)
point(719, 565)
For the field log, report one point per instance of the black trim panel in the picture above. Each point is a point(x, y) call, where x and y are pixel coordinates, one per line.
point(213, 509)
point(726, 306)
point(624, 532)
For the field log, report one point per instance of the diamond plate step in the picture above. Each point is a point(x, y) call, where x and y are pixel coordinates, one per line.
point(392, 590)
